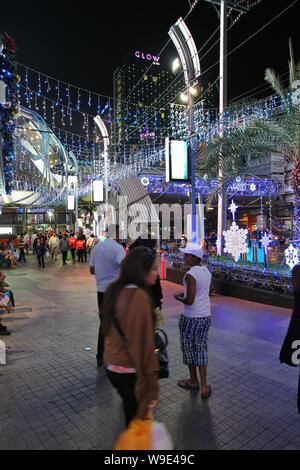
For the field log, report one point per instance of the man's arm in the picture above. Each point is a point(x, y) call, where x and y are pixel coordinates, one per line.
point(191, 291)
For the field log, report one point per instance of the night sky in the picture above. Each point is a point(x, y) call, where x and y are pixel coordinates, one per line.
point(83, 43)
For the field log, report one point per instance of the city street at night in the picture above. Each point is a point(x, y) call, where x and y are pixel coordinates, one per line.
point(54, 397)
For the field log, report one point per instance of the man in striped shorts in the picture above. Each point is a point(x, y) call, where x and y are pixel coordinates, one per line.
point(195, 321)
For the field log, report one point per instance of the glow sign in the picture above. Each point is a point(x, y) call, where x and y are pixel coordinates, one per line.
point(148, 57)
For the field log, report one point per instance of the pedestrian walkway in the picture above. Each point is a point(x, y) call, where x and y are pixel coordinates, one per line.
point(54, 397)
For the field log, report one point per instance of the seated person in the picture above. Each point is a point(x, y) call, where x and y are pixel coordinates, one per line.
point(8, 293)
point(5, 303)
point(10, 253)
point(6, 257)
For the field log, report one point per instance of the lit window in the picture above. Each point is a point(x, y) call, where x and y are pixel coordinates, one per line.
point(145, 77)
point(154, 79)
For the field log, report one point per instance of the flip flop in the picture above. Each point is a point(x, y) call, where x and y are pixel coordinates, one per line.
point(186, 385)
point(208, 394)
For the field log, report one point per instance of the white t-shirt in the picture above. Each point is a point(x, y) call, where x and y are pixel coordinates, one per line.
point(106, 258)
point(201, 306)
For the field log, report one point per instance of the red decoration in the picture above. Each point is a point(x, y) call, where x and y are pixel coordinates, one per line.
point(10, 43)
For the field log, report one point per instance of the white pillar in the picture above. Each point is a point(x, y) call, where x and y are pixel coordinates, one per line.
point(222, 199)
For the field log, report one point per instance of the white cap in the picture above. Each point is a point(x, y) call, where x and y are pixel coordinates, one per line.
point(192, 249)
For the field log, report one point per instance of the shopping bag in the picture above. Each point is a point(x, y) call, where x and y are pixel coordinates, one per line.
point(160, 437)
point(69, 257)
point(144, 435)
point(136, 437)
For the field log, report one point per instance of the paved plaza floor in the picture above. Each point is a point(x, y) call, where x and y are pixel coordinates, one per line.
point(52, 396)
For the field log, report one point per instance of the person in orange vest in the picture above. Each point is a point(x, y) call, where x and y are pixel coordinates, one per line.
point(72, 246)
point(80, 247)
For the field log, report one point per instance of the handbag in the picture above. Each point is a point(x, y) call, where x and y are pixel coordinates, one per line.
point(161, 343)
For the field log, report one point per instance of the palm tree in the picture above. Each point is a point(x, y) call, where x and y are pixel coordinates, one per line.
point(279, 134)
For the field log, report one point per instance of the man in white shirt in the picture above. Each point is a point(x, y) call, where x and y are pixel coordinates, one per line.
point(105, 264)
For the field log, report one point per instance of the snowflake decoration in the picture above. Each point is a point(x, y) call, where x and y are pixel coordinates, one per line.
point(265, 241)
point(253, 187)
point(236, 241)
point(292, 257)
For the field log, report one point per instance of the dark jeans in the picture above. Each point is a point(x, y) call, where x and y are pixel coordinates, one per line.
point(64, 256)
point(124, 384)
point(73, 253)
point(100, 347)
point(41, 260)
point(80, 254)
point(22, 255)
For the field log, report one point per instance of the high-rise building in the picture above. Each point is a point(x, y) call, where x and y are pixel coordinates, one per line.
point(142, 102)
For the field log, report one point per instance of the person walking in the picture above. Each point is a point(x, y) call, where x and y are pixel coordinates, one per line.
point(40, 250)
point(21, 246)
point(72, 246)
point(80, 247)
point(64, 248)
point(128, 327)
point(33, 238)
point(54, 246)
point(90, 244)
point(155, 290)
point(195, 321)
point(290, 351)
point(105, 264)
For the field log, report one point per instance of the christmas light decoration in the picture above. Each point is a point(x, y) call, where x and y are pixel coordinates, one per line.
point(235, 241)
point(233, 208)
point(9, 109)
point(266, 241)
point(292, 257)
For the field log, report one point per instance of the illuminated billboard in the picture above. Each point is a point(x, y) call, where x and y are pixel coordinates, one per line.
point(177, 161)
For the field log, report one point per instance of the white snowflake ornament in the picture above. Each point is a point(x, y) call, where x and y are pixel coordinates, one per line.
point(236, 241)
point(292, 257)
point(265, 241)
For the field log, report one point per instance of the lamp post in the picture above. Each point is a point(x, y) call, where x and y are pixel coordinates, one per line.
point(106, 143)
point(241, 6)
point(189, 59)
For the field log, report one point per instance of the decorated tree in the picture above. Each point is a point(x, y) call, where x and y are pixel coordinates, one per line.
point(9, 80)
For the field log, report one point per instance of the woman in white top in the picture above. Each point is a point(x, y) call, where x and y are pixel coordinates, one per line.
point(195, 321)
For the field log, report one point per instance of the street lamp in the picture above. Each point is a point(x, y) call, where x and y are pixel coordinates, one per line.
point(188, 55)
point(106, 143)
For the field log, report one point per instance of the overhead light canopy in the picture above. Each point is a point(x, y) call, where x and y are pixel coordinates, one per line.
point(187, 51)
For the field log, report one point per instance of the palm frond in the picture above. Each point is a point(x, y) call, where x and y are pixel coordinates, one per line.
point(276, 83)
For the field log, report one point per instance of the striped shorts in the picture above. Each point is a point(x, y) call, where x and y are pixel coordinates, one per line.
point(193, 339)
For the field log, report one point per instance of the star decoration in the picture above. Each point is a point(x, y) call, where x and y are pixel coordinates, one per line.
point(236, 241)
point(292, 257)
point(265, 241)
point(253, 187)
point(233, 208)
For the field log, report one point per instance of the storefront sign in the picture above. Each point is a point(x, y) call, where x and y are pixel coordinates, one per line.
point(147, 135)
point(149, 57)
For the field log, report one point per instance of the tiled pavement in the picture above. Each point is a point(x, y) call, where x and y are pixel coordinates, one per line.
point(53, 397)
